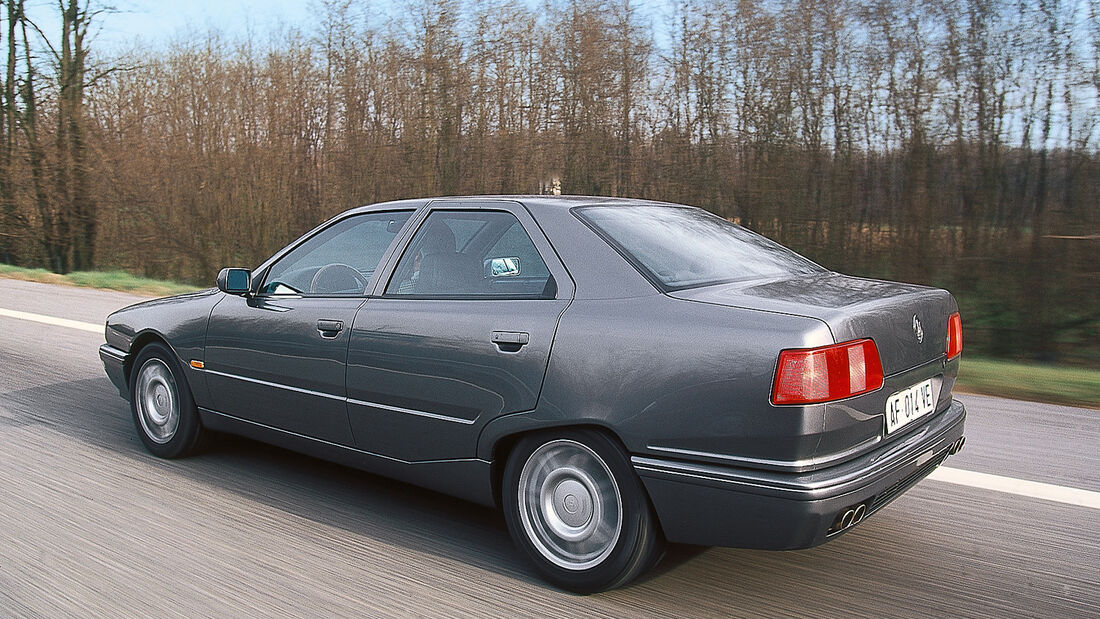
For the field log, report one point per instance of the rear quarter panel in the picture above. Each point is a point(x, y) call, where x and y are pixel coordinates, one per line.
point(675, 378)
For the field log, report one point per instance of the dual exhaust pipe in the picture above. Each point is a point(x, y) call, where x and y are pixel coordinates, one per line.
point(957, 446)
point(853, 516)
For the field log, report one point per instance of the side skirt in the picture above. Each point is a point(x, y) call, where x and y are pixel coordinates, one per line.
point(469, 479)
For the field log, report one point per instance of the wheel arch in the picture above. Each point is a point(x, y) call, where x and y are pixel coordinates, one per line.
point(502, 446)
point(140, 341)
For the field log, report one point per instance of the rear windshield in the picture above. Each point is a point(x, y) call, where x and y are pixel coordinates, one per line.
point(683, 247)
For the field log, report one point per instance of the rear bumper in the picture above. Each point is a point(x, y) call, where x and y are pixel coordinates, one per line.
point(716, 505)
point(114, 363)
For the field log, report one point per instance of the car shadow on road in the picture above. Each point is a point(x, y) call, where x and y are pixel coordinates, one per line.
point(394, 513)
point(330, 494)
point(938, 552)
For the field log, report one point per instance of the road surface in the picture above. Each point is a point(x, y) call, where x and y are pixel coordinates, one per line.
point(92, 525)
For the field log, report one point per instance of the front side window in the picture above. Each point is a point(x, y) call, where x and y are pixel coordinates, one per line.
point(338, 260)
point(683, 247)
point(471, 254)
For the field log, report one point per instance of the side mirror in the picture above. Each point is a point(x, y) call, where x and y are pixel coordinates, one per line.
point(235, 281)
point(502, 267)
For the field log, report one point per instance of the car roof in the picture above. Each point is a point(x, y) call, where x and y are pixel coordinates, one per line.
point(534, 202)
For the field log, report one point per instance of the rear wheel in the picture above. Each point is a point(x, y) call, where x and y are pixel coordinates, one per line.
point(575, 506)
point(160, 400)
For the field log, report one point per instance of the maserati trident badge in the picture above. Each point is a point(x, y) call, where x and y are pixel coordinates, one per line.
point(918, 330)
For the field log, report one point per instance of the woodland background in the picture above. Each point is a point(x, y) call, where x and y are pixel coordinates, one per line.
point(947, 142)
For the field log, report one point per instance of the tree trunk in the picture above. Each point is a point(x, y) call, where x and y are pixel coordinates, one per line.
point(78, 207)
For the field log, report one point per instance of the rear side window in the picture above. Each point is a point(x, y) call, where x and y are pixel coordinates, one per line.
point(471, 255)
point(683, 247)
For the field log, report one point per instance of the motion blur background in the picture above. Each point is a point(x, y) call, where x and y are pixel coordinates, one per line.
point(945, 142)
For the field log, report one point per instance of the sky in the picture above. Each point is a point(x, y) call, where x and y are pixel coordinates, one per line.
point(160, 20)
point(157, 21)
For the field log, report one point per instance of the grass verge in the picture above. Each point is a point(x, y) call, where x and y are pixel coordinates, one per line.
point(105, 280)
point(1030, 381)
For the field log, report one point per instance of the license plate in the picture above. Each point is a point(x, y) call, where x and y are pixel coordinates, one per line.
point(908, 405)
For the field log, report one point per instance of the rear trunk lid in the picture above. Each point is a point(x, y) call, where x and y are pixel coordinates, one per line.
point(907, 322)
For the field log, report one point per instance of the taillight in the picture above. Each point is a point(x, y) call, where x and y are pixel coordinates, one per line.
point(812, 375)
point(954, 336)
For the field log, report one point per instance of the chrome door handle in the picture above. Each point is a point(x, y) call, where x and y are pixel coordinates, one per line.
point(330, 328)
point(510, 341)
point(510, 337)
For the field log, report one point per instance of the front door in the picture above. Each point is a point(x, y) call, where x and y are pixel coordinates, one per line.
point(460, 334)
point(278, 358)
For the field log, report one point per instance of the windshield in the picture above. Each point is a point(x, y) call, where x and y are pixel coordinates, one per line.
point(683, 247)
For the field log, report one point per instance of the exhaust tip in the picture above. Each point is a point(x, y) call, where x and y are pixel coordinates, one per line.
point(861, 511)
point(846, 520)
point(957, 446)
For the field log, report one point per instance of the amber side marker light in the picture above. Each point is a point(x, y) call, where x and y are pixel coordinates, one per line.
point(954, 336)
point(198, 365)
point(814, 375)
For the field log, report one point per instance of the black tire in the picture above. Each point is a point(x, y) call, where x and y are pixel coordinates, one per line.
point(161, 403)
point(560, 491)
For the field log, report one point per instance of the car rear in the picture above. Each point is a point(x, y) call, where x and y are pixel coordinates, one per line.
point(908, 331)
point(876, 399)
point(883, 387)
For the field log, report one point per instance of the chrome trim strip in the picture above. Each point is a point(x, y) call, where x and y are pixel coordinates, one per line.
point(639, 466)
point(793, 466)
point(276, 385)
point(344, 447)
point(818, 484)
point(409, 411)
point(396, 409)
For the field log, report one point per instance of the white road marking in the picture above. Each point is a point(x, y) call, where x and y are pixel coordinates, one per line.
point(52, 320)
point(1019, 487)
point(985, 481)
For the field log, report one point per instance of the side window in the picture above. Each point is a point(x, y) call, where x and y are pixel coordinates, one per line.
point(471, 254)
point(338, 260)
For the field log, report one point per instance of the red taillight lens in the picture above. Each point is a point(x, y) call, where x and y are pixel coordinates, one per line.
point(954, 336)
point(812, 375)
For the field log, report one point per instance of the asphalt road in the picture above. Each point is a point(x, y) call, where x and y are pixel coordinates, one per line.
point(91, 525)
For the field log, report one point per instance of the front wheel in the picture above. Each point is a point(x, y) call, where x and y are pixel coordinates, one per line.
point(160, 400)
point(575, 506)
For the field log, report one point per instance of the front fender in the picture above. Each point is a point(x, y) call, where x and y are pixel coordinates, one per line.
point(179, 321)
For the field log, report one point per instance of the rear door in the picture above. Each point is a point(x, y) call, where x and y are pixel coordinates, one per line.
point(459, 334)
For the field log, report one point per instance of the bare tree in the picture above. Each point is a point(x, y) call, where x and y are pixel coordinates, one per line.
point(948, 142)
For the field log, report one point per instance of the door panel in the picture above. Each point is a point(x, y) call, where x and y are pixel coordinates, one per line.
point(425, 375)
point(279, 358)
point(455, 342)
point(269, 361)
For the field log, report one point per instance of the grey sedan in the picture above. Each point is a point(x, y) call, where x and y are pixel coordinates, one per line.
point(614, 374)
